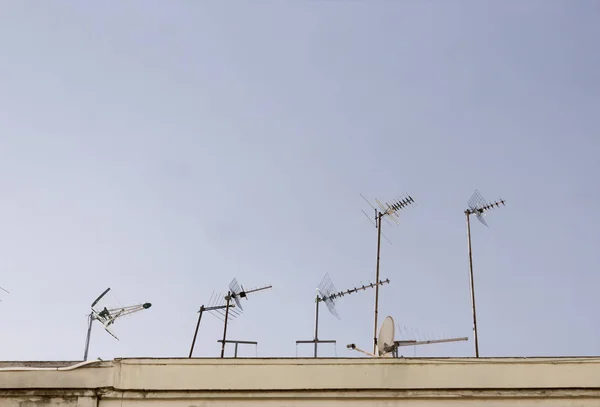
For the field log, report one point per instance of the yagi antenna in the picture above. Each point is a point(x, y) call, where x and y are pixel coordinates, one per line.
point(107, 317)
point(236, 292)
point(215, 306)
point(417, 342)
point(478, 207)
point(327, 293)
point(384, 211)
point(387, 346)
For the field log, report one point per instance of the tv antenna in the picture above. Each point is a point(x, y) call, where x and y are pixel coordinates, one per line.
point(327, 293)
point(216, 307)
point(107, 317)
point(387, 346)
point(236, 293)
point(384, 212)
point(478, 207)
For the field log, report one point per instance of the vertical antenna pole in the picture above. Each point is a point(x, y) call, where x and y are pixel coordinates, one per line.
point(379, 216)
point(467, 213)
point(225, 326)
point(87, 339)
point(196, 331)
point(316, 324)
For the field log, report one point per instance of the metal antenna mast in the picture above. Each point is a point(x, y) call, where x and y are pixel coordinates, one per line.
point(215, 307)
point(386, 211)
point(107, 317)
point(236, 292)
point(478, 207)
point(327, 293)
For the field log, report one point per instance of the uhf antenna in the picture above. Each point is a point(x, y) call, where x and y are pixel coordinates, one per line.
point(236, 292)
point(216, 307)
point(478, 207)
point(107, 317)
point(388, 212)
point(388, 347)
point(417, 342)
point(327, 293)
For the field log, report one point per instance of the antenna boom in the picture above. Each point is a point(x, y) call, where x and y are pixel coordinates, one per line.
point(414, 343)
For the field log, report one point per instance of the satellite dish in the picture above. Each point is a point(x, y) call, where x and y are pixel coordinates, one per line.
point(386, 337)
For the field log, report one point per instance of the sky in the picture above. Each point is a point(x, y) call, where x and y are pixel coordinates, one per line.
point(162, 148)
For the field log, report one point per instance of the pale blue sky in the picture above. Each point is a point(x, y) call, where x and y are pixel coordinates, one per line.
point(164, 147)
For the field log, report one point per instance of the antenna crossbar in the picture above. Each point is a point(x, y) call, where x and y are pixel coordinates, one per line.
point(236, 343)
point(217, 307)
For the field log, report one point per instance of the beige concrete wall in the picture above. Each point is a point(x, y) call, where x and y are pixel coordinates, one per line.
point(309, 382)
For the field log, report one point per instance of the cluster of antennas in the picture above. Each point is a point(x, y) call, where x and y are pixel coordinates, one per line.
point(222, 307)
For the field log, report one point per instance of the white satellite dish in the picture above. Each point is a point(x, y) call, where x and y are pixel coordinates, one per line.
point(386, 337)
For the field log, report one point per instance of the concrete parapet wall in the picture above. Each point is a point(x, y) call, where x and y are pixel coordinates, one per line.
point(308, 382)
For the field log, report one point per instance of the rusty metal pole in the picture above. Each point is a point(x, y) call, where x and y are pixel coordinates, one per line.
point(196, 331)
point(316, 324)
point(225, 325)
point(379, 216)
point(467, 213)
point(87, 338)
